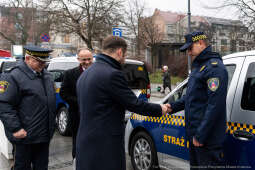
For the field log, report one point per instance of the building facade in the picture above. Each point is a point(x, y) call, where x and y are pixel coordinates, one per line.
point(227, 36)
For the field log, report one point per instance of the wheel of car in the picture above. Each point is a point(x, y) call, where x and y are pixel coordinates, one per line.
point(63, 121)
point(143, 152)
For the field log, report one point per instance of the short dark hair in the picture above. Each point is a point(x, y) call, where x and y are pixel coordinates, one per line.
point(112, 43)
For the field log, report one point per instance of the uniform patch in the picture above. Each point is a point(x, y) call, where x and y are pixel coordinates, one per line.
point(3, 86)
point(213, 83)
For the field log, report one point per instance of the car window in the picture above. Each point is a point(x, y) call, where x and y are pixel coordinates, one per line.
point(57, 75)
point(178, 94)
point(136, 76)
point(248, 96)
point(230, 69)
point(62, 65)
point(7, 65)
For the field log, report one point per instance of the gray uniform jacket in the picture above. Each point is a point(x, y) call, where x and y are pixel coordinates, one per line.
point(27, 101)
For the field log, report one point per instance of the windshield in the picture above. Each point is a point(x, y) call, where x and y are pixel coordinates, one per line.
point(136, 76)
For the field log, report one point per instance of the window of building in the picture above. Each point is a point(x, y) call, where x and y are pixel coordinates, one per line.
point(224, 48)
point(241, 43)
point(66, 38)
point(222, 34)
point(248, 96)
point(170, 29)
point(241, 48)
point(224, 42)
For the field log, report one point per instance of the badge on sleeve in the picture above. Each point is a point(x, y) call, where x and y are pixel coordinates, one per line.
point(213, 83)
point(3, 86)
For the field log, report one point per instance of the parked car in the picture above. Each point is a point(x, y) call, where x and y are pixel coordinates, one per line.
point(6, 63)
point(56, 67)
point(153, 142)
point(135, 73)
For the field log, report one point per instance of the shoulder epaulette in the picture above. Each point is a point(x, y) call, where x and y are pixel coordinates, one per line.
point(214, 63)
point(202, 68)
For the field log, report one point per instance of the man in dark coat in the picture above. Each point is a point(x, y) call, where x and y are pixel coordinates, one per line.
point(103, 97)
point(68, 90)
point(28, 109)
point(204, 103)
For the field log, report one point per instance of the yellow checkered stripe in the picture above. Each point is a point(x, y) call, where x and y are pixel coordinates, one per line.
point(143, 91)
point(57, 90)
point(199, 37)
point(231, 127)
point(167, 119)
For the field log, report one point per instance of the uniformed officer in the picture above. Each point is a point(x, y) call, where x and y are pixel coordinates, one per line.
point(27, 109)
point(204, 103)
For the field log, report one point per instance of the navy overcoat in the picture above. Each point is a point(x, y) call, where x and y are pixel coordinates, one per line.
point(103, 97)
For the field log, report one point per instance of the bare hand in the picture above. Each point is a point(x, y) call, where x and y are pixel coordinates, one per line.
point(164, 109)
point(169, 109)
point(20, 134)
point(196, 143)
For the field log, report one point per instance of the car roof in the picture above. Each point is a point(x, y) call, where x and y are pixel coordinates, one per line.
point(239, 54)
point(7, 59)
point(64, 59)
point(74, 59)
point(130, 61)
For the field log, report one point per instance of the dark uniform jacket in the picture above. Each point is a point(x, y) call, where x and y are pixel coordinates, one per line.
point(27, 101)
point(103, 96)
point(68, 93)
point(205, 99)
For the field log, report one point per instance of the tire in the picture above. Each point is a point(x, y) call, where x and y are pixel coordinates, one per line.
point(143, 152)
point(63, 121)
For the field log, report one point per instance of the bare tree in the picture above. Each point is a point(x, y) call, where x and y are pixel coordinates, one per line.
point(150, 35)
point(89, 19)
point(23, 21)
point(134, 13)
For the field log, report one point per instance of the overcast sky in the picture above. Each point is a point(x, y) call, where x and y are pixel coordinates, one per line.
point(197, 7)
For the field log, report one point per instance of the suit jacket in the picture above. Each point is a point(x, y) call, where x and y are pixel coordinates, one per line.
point(68, 93)
point(103, 96)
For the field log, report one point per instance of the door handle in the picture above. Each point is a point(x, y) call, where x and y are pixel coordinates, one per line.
point(243, 135)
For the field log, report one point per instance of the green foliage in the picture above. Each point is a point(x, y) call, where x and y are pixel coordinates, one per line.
point(156, 78)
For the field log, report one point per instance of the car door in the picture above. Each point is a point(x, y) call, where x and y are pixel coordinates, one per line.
point(239, 146)
point(172, 142)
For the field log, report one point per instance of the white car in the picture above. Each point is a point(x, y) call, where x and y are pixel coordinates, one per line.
point(160, 142)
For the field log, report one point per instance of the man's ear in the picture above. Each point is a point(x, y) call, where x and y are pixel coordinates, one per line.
point(119, 51)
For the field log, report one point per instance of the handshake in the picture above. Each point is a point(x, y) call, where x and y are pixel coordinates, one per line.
point(166, 108)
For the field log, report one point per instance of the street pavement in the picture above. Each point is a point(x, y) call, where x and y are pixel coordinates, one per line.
point(60, 148)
